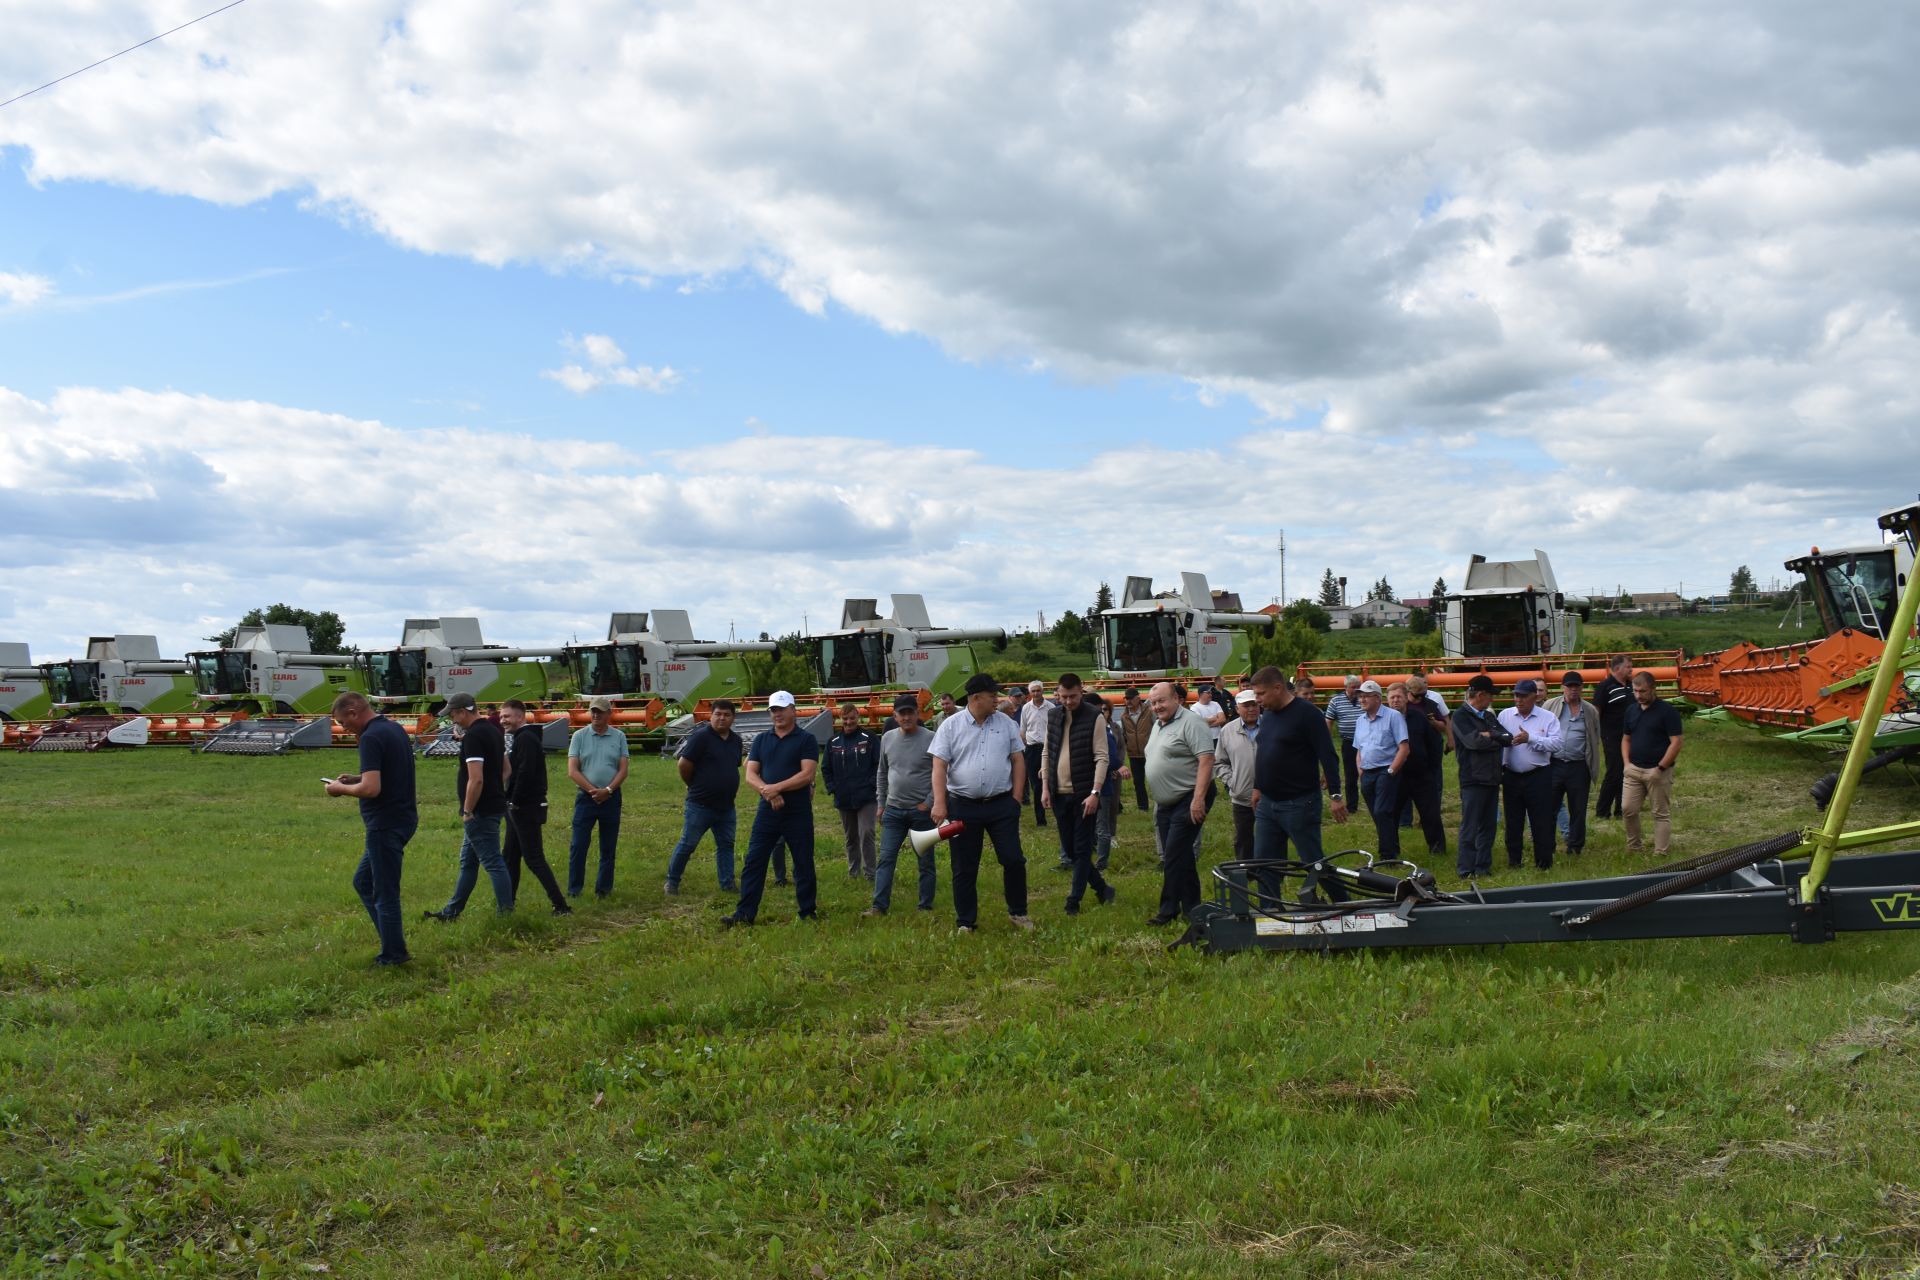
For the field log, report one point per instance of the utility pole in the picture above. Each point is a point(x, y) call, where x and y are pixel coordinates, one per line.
point(1283, 568)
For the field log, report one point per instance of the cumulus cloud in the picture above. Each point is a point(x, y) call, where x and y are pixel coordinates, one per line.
point(18, 289)
point(1396, 215)
point(607, 367)
point(117, 498)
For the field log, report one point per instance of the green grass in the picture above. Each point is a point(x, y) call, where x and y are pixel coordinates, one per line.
point(200, 1076)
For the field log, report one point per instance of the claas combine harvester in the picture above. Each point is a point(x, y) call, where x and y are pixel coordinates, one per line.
point(275, 691)
point(1176, 635)
point(123, 693)
point(1792, 885)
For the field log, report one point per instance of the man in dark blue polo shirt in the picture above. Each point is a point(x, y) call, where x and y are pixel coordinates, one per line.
point(384, 787)
point(1292, 755)
point(709, 763)
point(780, 767)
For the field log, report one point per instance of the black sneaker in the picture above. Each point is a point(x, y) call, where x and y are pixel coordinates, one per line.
point(812, 917)
point(1063, 865)
point(441, 916)
point(1159, 921)
point(389, 962)
point(781, 884)
point(728, 921)
point(1107, 895)
point(1073, 908)
point(563, 910)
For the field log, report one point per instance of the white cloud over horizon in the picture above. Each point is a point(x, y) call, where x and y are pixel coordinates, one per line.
point(607, 367)
point(21, 289)
point(169, 513)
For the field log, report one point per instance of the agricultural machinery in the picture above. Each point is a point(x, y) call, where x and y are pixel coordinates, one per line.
point(1173, 634)
point(438, 657)
point(115, 696)
point(1510, 608)
point(23, 689)
point(664, 662)
point(904, 650)
point(275, 692)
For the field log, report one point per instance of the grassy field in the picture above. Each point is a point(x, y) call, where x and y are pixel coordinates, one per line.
point(199, 1074)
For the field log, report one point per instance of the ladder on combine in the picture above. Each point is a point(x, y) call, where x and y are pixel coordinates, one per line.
point(90, 733)
point(267, 736)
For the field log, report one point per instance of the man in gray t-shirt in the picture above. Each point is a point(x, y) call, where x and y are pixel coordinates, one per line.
point(904, 782)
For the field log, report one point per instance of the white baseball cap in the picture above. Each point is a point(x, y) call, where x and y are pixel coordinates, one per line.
point(1370, 686)
point(780, 698)
point(1245, 696)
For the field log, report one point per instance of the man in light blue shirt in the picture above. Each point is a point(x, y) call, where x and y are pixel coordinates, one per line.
point(1380, 748)
point(979, 778)
point(597, 765)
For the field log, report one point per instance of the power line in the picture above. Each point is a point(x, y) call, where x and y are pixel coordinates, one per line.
point(129, 49)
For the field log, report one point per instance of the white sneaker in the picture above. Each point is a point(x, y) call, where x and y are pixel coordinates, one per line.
point(1022, 922)
point(965, 928)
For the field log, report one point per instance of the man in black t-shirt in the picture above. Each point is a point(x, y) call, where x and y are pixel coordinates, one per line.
point(478, 787)
point(384, 787)
point(709, 763)
point(1611, 698)
point(1293, 753)
point(527, 804)
point(1651, 745)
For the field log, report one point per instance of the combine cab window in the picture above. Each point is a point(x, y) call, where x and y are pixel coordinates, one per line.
point(612, 669)
point(69, 682)
point(397, 673)
point(848, 662)
point(1857, 591)
point(221, 674)
point(1143, 642)
point(1497, 625)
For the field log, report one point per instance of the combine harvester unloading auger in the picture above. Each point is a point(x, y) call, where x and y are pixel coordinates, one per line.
point(1789, 884)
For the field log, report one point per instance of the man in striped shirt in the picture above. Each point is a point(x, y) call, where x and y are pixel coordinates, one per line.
point(1343, 711)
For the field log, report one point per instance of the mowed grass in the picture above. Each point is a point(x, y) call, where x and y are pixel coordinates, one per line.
point(199, 1074)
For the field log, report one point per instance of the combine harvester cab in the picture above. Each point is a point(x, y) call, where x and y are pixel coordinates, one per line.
point(1177, 634)
point(439, 657)
point(1510, 609)
point(658, 673)
point(273, 691)
point(123, 679)
point(870, 654)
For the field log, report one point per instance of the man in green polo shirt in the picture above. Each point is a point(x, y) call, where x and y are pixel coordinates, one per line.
point(1180, 779)
point(597, 765)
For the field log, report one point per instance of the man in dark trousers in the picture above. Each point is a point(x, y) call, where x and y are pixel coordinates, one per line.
point(1527, 778)
point(780, 769)
point(384, 787)
point(1612, 697)
point(709, 764)
point(1420, 780)
point(1479, 740)
point(980, 778)
point(1576, 759)
point(1343, 712)
point(1136, 724)
point(1074, 765)
point(1180, 780)
point(479, 788)
point(527, 804)
point(852, 759)
point(1293, 752)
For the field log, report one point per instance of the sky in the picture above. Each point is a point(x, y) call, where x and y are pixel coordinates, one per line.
point(538, 312)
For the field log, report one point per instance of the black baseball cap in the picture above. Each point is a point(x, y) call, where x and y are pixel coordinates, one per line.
point(982, 683)
point(906, 702)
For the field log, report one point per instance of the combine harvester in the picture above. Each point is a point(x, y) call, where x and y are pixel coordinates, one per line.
point(1511, 622)
point(658, 674)
point(123, 693)
point(24, 700)
point(1350, 901)
point(903, 652)
point(1176, 635)
point(439, 657)
point(276, 693)
point(1819, 690)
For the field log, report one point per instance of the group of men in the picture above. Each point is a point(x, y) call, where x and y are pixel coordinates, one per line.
point(1281, 760)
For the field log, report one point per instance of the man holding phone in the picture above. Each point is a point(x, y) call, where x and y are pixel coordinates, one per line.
point(384, 787)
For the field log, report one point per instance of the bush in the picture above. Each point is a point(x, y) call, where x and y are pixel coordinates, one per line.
point(1291, 644)
point(1308, 614)
point(792, 673)
point(1011, 672)
point(1420, 622)
point(1426, 646)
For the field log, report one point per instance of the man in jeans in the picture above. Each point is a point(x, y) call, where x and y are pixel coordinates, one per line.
point(709, 764)
point(1380, 746)
point(1180, 780)
point(479, 787)
point(1136, 725)
point(979, 778)
point(1292, 754)
point(780, 767)
point(1073, 773)
point(597, 765)
point(903, 792)
point(384, 787)
point(1237, 750)
point(849, 763)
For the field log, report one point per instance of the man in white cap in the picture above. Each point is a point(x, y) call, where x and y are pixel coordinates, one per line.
point(1234, 759)
point(597, 765)
point(1033, 736)
point(780, 767)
